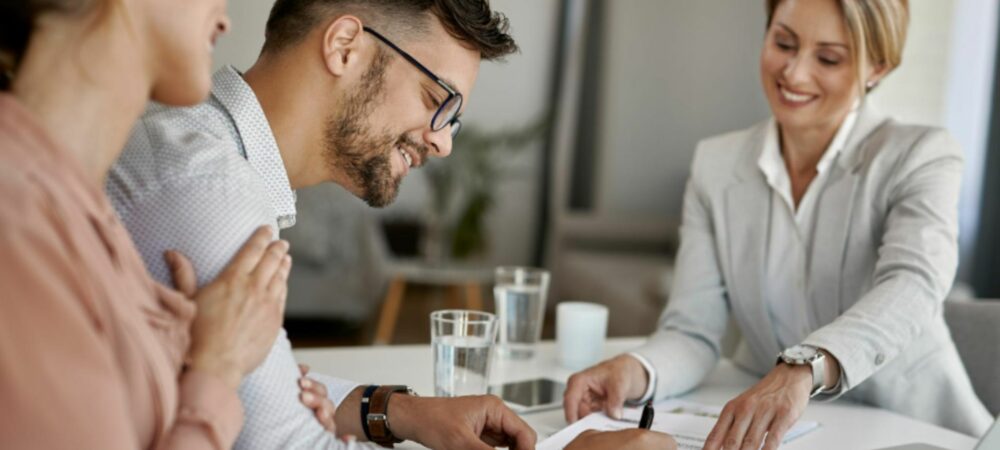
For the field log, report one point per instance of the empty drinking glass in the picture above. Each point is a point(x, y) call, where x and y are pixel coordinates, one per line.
point(463, 347)
point(520, 294)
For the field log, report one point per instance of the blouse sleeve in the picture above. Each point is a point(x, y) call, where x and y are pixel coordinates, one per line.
point(60, 381)
point(59, 385)
point(209, 414)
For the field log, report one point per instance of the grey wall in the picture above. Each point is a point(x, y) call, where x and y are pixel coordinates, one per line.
point(676, 72)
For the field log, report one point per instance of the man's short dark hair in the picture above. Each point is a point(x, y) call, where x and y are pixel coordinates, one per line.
point(470, 21)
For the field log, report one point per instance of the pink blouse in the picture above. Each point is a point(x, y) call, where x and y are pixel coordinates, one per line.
point(90, 350)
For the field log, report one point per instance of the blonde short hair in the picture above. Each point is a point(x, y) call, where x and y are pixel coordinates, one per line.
point(877, 29)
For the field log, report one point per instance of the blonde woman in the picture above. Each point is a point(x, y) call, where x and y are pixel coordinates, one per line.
point(828, 232)
point(91, 349)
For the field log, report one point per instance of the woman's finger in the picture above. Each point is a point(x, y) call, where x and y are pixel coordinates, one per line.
point(720, 430)
point(776, 432)
point(270, 263)
point(248, 256)
point(182, 272)
point(755, 435)
point(318, 388)
point(737, 431)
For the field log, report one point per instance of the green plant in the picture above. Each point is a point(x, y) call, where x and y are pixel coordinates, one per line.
point(463, 185)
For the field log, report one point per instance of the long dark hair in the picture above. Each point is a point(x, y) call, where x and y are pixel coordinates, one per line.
point(17, 21)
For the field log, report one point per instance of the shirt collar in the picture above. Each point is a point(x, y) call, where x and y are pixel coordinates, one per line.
point(256, 139)
point(773, 165)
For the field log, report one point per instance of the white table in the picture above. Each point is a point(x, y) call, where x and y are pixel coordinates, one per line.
point(844, 425)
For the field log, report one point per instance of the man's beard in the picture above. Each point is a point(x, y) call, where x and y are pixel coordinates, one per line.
point(364, 155)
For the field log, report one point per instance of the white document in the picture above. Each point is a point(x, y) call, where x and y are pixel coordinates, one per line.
point(688, 422)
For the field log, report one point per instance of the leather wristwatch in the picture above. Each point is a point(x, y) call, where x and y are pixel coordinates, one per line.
point(375, 413)
point(801, 355)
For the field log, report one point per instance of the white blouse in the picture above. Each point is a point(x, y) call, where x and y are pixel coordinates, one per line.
point(791, 234)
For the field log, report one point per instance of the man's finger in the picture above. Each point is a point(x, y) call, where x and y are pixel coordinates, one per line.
point(248, 256)
point(182, 272)
point(513, 426)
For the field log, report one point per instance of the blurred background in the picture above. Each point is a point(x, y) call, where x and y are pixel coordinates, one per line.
point(575, 153)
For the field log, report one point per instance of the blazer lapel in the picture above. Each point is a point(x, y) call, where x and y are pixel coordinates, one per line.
point(834, 218)
point(833, 223)
point(748, 202)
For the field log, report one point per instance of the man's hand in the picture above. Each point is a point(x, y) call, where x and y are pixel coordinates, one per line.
point(604, 387)
point(314, 397)
point(631, 439)
point(461, 423)
point(770, 407)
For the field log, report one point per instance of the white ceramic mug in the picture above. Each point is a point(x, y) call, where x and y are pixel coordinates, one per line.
point(580, 331)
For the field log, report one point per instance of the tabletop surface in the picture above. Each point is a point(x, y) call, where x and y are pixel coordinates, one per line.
point(843, 425)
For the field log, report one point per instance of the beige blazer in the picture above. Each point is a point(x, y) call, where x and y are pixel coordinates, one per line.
point(883, 260)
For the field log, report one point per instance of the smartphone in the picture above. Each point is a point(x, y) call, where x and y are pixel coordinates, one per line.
point(531, 395)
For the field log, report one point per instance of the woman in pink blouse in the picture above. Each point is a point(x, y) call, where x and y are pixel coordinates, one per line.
point(93, 353)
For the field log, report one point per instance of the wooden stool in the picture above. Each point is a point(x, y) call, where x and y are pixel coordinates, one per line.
point(463, 282)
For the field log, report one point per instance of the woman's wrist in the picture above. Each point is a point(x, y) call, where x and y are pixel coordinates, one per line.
point(228, 373)
point(832, 374)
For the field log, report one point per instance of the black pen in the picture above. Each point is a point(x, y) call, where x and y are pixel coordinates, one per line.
point(647, 415)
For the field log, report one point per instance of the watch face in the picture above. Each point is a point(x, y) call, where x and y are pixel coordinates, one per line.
point(800, 353)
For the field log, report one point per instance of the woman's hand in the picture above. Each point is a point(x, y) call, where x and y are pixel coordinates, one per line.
point(314, 397)
point(770, 407)
point(604, 387)
point(240, 312)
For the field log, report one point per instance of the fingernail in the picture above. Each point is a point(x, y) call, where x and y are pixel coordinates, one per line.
point(305, 383)
point(307, 397)
point(616, 413)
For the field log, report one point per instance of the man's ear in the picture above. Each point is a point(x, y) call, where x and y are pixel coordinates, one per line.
point(342, 41)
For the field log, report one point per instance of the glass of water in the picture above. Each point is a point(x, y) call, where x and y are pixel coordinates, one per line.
point(519, 294)
point(463, 351)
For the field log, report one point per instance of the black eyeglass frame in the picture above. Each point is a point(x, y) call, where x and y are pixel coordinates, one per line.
point(455, 123)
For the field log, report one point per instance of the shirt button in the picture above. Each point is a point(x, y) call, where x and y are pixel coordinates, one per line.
point(879, 359)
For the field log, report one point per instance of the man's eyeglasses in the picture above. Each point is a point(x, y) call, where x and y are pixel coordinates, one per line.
point(447, 112)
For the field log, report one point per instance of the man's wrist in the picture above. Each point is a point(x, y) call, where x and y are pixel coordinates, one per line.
point(400, 412)
point(347, 417)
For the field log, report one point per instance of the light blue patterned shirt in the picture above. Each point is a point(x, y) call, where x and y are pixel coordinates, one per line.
point(200, 180)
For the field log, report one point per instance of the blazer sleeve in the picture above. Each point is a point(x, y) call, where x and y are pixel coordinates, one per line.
point(917, 260)
point(686, 344)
